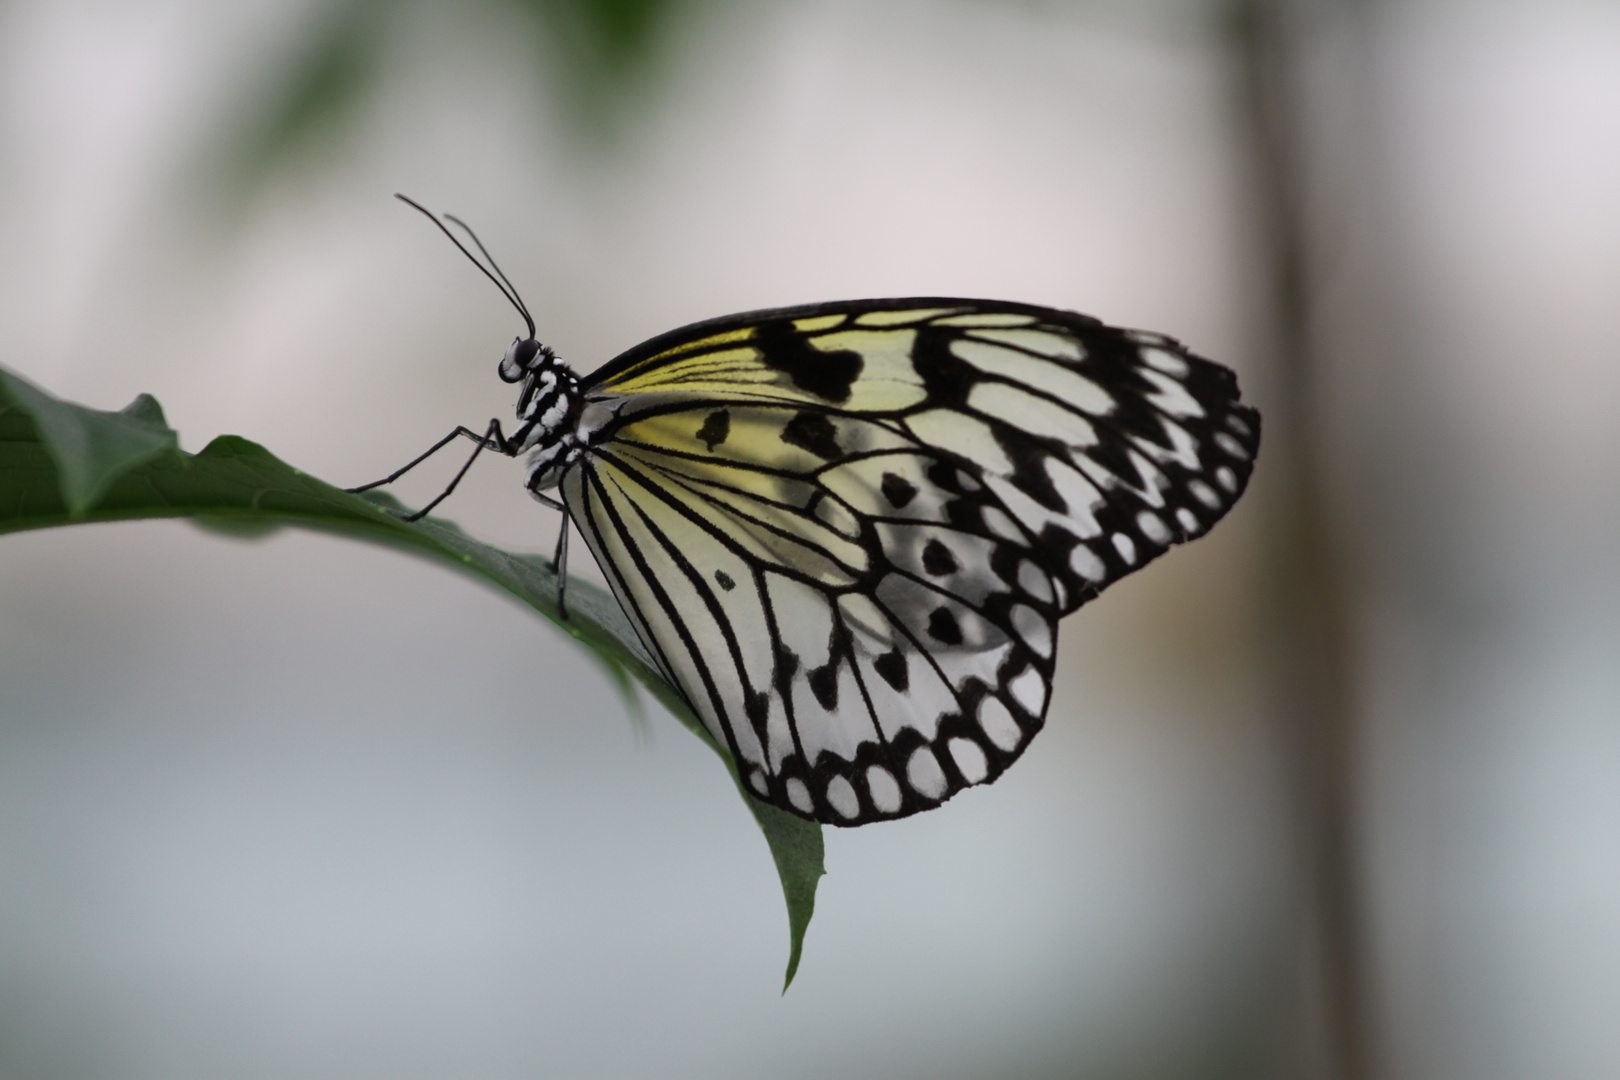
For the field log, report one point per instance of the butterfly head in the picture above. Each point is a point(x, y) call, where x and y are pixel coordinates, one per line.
point(525, 357)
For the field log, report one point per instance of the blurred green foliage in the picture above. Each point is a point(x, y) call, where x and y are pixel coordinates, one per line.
point(594, 57)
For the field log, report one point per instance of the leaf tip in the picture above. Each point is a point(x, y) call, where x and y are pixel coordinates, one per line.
point(793, 966)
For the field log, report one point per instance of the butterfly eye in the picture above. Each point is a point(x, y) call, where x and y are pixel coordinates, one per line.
point(515, 364)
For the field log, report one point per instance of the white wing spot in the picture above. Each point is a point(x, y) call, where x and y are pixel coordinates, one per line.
point(1086, 563)
point(1029, 690)
point(966, 481)
point(1231, 446)
point(1057, 346)
point(1154, 482)
point(1165, 361)
point(1238, 424)
point(799, 795)
point(1002, 525)
point(1226, 478)
point(841, 794)
point(967, 435)
point(884, 788)
point(1172, 397)
point(1080, 496)
point(1125, 546)
point(1183, 448)
point(1204, 494)
point(970, 760)
point(926, 777)
point(998, 724)
point(756, 780)
point(1047, 376)
point(1033, 580)
point(1032, 628)
point(1153, 527)
point(1033, 414)
point(1189, 521)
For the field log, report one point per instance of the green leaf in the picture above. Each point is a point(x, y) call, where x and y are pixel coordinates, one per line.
point(90, 448)
point(796, 846)
point(62, 463)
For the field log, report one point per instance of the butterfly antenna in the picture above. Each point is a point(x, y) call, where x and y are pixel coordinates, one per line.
point(500, 283)
point(493, 264)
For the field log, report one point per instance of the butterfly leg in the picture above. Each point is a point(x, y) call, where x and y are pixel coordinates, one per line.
point(492, 439)
point(495, 439)
point(559, 557)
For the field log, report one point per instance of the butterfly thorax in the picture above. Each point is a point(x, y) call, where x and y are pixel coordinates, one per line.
point(548, 409)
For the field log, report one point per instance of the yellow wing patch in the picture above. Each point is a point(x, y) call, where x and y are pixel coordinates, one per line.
point(817, 361)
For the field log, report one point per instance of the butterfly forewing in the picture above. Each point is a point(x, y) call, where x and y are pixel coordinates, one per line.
point(847, 531)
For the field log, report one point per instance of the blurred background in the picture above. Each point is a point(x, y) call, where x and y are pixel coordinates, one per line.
point(1334, 792)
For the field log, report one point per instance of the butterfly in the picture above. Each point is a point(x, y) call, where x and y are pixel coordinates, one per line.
point(846, 532)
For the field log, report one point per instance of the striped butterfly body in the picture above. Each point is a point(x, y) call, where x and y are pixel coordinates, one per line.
point(846, 532)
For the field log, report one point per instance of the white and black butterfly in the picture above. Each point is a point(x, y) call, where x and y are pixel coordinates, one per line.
point(847, 531)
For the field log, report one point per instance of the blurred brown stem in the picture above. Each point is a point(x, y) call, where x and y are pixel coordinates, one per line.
point(1307, 587)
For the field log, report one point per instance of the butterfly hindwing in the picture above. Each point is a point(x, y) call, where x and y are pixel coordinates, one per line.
point(838, 662)
point(847, 532)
